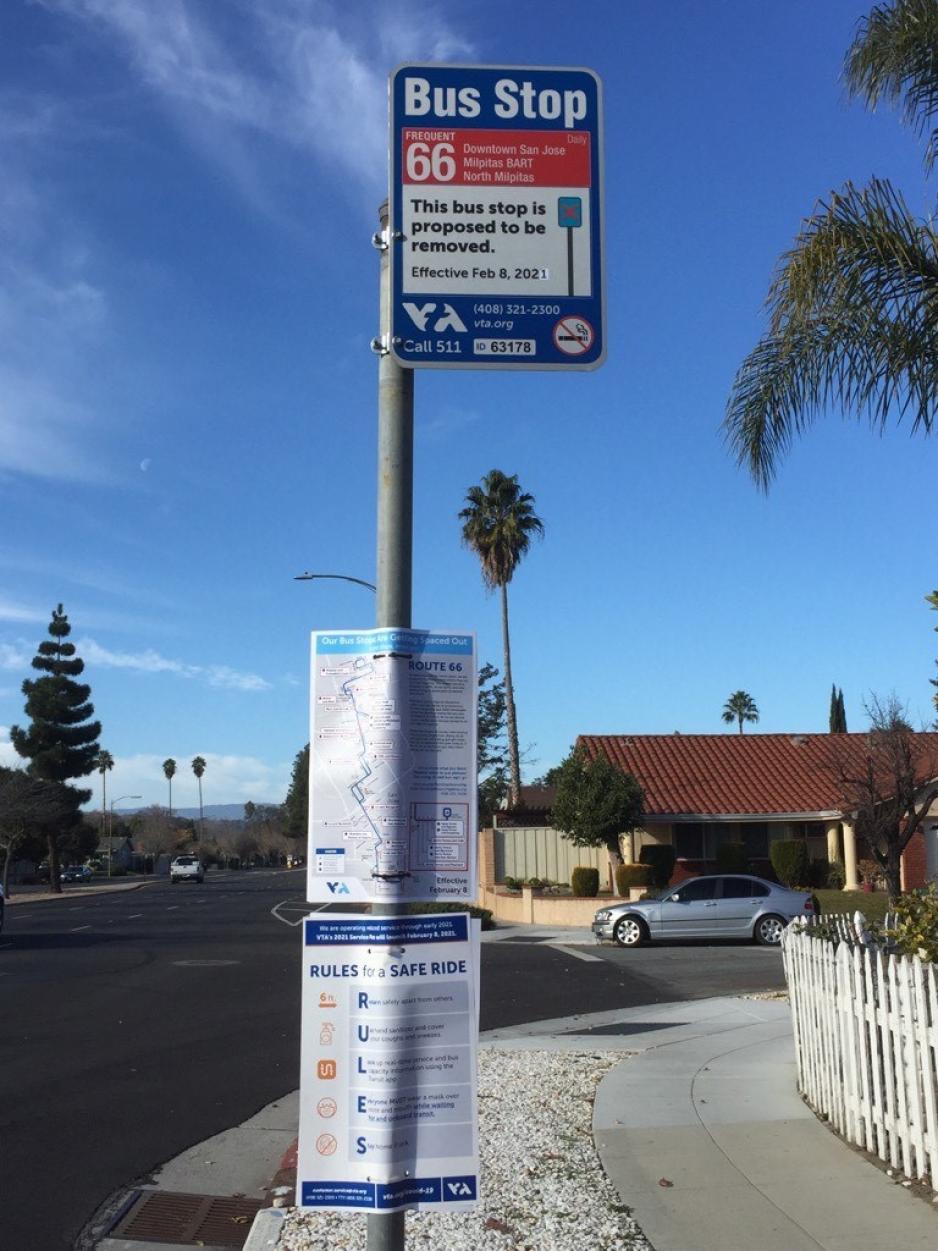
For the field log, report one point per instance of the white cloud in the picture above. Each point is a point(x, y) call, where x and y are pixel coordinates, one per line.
point(151, 661)
point(228, 779)
point(51, 310)
point(12, 611)
point(9, 758)
point(297, 74)
point(15, 656)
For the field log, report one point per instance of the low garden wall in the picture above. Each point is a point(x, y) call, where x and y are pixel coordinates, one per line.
point(534, 907)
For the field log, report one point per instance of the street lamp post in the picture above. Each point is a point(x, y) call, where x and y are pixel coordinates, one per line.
point(341, 577)
point(110, 828)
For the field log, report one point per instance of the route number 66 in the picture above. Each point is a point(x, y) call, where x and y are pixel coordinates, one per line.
point(425, 161)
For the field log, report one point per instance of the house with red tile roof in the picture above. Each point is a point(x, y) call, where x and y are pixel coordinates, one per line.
point(705, 789)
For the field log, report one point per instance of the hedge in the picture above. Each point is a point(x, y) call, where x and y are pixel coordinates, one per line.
point(584, 881)
point(660, 858)
point(732, 858)
point(629, 875)
point(790, 861)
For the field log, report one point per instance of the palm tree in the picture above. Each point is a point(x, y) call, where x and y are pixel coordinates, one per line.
point(740, 707)
point(851, 311)
point(104, 762)
point(198, 768)
point(169, 769)
point(499, 523)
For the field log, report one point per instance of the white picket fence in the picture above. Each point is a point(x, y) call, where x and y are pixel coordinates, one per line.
point(866, 1037)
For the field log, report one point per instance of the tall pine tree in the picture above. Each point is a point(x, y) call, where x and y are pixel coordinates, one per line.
point(61, 741)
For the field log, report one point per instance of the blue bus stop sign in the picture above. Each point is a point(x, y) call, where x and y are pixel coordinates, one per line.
point(495, 218)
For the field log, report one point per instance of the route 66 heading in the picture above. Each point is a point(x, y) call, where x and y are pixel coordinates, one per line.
point(495, 214)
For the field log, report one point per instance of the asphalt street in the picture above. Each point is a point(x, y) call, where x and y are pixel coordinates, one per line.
point(133, 1025)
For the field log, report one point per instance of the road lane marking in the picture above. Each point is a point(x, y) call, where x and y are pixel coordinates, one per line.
point(172, 907)
point(80, 927)
point(133, 916)
point(292, 905)
point(572, 951)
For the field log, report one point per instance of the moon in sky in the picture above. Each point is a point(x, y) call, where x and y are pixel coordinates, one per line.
point(145, 464)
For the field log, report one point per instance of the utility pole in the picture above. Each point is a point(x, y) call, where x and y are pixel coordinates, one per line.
point(395, 558)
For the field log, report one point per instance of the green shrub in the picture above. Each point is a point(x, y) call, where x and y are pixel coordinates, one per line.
point(825, 875)
point(915, 930)
point(789, 858)
point(732, 858)
point(629, 875)
point(660, 858)
point(584, 882)
point(513, 883)
point(484, 914)
point(536, 883)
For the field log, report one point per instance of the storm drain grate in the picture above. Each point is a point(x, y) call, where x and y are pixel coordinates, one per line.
point(193, 1220)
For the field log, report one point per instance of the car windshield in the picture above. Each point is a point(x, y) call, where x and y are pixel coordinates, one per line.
point(187, 860)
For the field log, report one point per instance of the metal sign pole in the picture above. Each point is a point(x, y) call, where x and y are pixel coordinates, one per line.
point(395, 560)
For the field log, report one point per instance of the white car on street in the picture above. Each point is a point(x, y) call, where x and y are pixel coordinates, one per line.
point(186, 869)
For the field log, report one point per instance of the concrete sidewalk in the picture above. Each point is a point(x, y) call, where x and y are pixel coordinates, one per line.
point(706, 1139)
point(704, 1101)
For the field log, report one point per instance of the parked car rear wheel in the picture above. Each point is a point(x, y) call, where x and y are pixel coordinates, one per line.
point(629, 932)
point(768, 931)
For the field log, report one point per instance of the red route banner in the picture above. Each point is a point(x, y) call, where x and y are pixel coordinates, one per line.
point(441, 157)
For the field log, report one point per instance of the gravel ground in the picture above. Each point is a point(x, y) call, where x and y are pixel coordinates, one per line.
point(543, 1187)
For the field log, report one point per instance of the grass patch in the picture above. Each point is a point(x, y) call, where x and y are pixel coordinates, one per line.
point(873, 906)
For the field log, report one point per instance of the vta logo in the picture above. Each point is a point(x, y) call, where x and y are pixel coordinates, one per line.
point(449, 319)
point(460, 1190)
point(339, 888)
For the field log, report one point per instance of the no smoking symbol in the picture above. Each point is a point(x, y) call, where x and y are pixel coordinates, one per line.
point(573, 335)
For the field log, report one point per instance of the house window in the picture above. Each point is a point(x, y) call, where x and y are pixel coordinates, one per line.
point(755, 838)
point(689, 841)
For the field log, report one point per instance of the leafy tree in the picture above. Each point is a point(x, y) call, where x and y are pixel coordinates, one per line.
point(492, 748)
point(887, 780)
point(596, 802)
point(155, 832)
point(838, 715)
point(198, 768)
point(61, 741)
point(499, 523)
point(851, 310)
point(296, 804)
point(27, 805)
point(550, 777)
point(740, 707)
point(169, 770)
point(933, 601)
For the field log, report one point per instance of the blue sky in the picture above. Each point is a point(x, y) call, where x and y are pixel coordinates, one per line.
point(188, 401)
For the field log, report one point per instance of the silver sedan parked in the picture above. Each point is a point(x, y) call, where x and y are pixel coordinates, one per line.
point(723, 906)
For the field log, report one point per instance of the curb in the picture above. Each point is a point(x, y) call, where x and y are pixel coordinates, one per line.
point(282, 1187)
point(266, 1230)
point(268, 1223)
point(48, 896)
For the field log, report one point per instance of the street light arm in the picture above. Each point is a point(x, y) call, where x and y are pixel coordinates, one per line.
point(341, 577)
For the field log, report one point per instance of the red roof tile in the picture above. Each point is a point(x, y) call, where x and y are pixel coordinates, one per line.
point(737, 774)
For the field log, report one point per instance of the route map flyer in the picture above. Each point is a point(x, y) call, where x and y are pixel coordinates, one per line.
point(392, 770)
point(388, 1100)
point(495, 215)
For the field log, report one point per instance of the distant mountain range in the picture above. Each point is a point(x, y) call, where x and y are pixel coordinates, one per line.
point(211, 812)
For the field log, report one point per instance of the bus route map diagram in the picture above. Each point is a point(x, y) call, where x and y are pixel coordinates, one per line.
point(392, 765)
